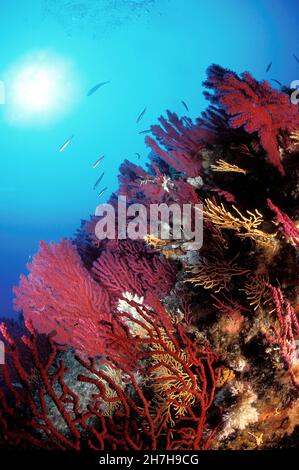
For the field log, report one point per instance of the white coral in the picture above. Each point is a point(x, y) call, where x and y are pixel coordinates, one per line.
point(239, 364)
point(242, 413)
point(125, 307)
point(196, 182)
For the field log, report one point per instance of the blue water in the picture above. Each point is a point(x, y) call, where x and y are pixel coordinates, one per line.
point(154, 54)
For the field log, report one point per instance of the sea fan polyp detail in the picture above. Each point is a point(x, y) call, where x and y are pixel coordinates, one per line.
point(149, 343)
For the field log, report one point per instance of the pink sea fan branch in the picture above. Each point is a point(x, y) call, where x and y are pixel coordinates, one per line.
point(118, 413)
point(59, 294)
point(125, 269)
point(284, 335)
point(288, 227)
point(182, 141)
point(255, 106)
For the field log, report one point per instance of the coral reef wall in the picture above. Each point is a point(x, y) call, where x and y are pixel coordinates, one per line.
point(146, 344)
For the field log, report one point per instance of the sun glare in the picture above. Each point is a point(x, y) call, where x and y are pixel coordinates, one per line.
point(40, 87)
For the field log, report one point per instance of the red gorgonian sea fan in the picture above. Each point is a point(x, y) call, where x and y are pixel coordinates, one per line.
point(284, 333)
point(156, 188)
point(60, 294)
point(288, 227)
point(118, 351)
point(108, 406)
point(255, 106)
point(129, 266)
point(182, 141)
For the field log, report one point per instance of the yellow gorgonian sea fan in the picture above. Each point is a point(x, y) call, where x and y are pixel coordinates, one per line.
point(172, 384)
point(224, 167)
point(245, 226)
point(112, 400)
point(257, 292)
point(214, 274)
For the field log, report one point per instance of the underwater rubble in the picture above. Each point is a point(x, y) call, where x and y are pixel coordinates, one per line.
point(147, 344)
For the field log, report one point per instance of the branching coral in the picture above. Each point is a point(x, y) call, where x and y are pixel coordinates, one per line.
point(119, 413)
point(182, 140)
point(215, 274)
point(244, 226)
point(223, 218)
point(138, 270)
point(288, 226)
point(140, 357)
point(154, 187)
point(24, 413)
point(285, 332)
point(59, 294)
point(257, 292)
point(222, 166)
point(255, 106)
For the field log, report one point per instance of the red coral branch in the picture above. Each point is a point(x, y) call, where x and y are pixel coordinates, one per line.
point(59, 294)
point(255, 106)
point(227, 306)
point(130, 267)
point(182, 140)
point(48, 413)
point(164, 339)
point(157, 188)
point(26, 421)
point(284, 335)
point(288, 227)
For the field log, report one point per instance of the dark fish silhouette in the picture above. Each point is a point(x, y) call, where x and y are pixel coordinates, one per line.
point(98, 181)
point(96, 87)
point(66, 144)
point(276, 81)
point(185, 106)
point(141, 115)
point(138, 155)
point(269, 67)
point(97, 162)
point(296, 58)
point(145, 132)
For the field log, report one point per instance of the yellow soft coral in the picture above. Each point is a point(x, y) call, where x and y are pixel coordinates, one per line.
point(245, 226)
point(222, 166)
point(214, 274)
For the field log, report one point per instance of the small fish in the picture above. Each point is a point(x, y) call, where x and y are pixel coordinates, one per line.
point(97, 162)
point(96, 87)
point(141, 115)
point(98, 181)
point(102, 192)
point(269, 67)
point(296, 58)
point(276, 81)
point(66, 144)
point(138, 155)
point(185, 106)
point(145, 132)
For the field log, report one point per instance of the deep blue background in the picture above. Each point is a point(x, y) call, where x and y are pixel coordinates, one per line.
point(155, 57)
